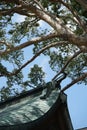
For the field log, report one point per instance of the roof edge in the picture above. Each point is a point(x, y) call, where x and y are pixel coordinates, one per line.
point(21, 95)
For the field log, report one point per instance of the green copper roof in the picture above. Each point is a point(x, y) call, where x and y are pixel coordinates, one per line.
point(26, 109)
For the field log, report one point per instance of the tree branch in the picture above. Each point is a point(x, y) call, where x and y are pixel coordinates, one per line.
point(79, 20)
point(67, 63)
point(10, 1)
point(39, 4)
point(57, 24)
point(74, 82)
point(6, 44)
point(37, 54)
point(83, 3)
point(5, 12)
point(28, 43)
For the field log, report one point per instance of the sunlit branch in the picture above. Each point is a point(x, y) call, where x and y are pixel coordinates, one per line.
point(79, 21)
point(67, 63)
point(28, 43)
point(56, 24)
point(25, 13)
point(39, 4)
point(74, 82)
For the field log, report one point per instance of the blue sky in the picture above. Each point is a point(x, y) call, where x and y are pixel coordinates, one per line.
point(76, 95)
point(77, 104)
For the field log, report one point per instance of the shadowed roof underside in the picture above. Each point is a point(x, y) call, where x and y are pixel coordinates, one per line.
point(27, 109)
point(28, 112)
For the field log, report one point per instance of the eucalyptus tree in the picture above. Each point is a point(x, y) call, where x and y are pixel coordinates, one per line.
point(63, 39)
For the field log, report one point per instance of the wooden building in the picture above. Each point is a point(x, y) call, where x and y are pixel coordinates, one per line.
point(28, 111)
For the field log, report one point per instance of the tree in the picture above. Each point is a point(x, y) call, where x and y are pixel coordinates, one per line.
point(64, 42)
point(36, 75)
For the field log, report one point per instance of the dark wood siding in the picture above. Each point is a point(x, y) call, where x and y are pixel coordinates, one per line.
point(54, 119)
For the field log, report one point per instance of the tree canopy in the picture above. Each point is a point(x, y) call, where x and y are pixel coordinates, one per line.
point(63, 40)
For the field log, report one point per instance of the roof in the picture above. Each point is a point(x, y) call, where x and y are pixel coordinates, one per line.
point(27, 109)
point(85, 128)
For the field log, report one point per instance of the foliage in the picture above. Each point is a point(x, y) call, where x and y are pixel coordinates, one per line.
point(62, 34)
point(5, 93)
point(36, 75)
